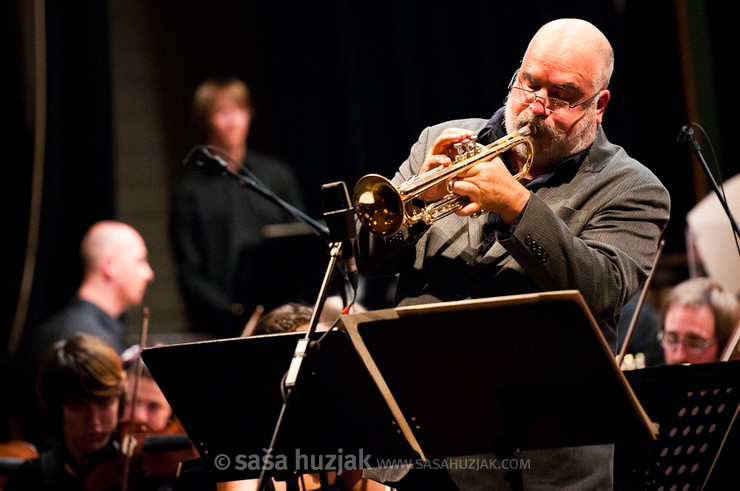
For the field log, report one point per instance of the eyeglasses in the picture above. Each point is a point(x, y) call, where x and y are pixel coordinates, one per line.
point(692, 343)
point(528, 97)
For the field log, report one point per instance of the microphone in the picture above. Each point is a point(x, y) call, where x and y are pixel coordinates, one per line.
point(201, 156)
point(340, 218)
point(686, 136)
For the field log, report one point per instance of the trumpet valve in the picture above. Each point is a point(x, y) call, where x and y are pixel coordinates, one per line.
point(465, 148)
point(458, 150)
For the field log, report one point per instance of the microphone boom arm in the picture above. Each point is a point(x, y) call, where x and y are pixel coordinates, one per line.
point(686, 135)
point(201, 155)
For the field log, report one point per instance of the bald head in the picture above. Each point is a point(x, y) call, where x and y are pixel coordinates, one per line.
point(106, 238)
point(568, 62)
point(116, 267)
point(577, 45)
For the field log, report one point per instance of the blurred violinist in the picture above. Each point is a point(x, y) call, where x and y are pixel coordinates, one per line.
point(80, 386)
point(152, 407)
point(157, 444)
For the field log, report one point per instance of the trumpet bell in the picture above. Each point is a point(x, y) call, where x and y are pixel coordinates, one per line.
point(384, 209)
point(378, 205)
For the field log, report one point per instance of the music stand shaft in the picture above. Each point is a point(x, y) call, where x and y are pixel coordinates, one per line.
point(302, 349)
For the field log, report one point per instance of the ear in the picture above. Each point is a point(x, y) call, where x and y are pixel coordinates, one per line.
point(108, 265)
point(601, 102)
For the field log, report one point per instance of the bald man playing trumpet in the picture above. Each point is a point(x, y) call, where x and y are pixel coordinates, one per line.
point(583, 216)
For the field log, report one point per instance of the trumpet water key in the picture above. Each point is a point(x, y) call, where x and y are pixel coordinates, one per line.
point(384, 209)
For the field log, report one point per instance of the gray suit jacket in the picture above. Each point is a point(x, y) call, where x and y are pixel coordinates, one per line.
point(596, 231)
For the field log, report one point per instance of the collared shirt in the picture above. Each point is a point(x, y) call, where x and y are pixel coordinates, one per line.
point(495, 228)
point(82, 316)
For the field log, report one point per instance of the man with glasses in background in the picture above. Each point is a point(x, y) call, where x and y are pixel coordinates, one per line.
point(585, 216)
point(699, 320)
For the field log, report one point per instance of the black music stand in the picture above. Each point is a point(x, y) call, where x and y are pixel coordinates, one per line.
point(698, 445)
point(459, 378)
point(227, 396)
point(518, 372)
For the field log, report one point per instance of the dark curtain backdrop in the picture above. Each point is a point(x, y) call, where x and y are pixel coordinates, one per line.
point(341, 89)
point(78, 187)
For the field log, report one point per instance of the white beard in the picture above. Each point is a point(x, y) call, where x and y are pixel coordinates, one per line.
point(551, 146)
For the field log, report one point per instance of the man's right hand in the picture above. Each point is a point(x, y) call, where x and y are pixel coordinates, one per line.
point(442, 153)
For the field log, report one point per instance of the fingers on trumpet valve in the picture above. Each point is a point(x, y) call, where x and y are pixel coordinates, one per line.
point(464, 147)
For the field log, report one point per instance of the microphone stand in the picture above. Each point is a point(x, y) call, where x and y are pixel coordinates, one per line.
point(202, 155)
point(686, 135)
point(301, 351)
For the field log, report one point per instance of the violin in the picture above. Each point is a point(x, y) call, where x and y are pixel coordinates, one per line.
point(142, 457)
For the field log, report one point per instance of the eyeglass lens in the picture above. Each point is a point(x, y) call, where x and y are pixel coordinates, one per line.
point(690, 342)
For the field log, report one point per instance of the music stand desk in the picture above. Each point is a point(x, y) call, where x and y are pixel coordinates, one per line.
point(694, 407)
point(459, 378)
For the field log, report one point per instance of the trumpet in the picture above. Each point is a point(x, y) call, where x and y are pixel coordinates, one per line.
point(384, 209)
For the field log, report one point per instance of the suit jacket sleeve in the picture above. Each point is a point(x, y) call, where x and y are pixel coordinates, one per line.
point(379, 256)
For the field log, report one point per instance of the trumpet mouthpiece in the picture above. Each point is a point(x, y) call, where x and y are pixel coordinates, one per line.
point(528, 129)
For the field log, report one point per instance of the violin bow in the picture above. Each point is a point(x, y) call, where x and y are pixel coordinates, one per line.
point(731, 345)
point(638, 308)
point(127, 441)
point(251, 324)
